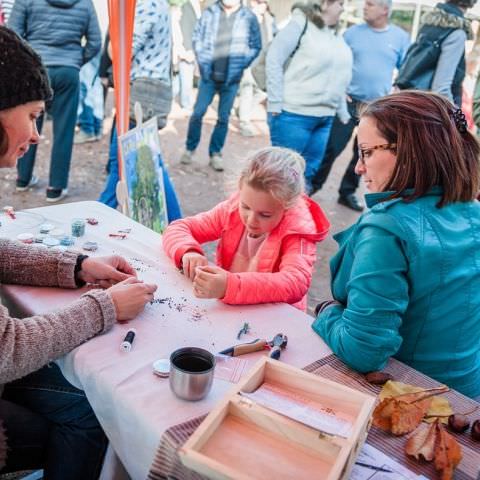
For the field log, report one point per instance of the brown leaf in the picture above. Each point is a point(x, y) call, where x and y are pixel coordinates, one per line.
point(448, 452)
point(382, 415)
point(422, 442)
point(406, 417)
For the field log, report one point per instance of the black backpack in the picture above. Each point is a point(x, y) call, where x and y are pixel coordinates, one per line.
point(420, 62)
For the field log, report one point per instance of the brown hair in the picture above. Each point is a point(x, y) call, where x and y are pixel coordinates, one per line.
point(431, 150)
point(313, 10)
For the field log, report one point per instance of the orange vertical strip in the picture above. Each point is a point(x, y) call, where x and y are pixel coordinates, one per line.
point(121, 15)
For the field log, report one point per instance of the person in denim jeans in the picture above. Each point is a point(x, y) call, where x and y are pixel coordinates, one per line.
point(226, 40)
point(378, 49)
point(42, 414)
point(306, 90)
point(66, 35)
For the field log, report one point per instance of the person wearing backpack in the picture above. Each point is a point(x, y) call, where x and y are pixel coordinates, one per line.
point(309, 67)
point(436, 61)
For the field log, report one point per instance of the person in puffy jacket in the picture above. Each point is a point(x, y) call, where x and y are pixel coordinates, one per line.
point(268, 231)
point(66, 35)
point(407, 274)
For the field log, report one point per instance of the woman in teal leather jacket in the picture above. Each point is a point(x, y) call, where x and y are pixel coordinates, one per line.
point(406, 278)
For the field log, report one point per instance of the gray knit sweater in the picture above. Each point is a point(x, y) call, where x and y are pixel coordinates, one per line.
point(28, 344)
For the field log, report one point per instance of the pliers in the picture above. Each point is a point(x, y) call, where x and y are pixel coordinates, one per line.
point(276, 345)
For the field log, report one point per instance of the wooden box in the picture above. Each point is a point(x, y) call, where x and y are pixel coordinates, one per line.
point(241, 439)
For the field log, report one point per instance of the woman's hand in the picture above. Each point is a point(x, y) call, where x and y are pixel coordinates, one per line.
point(130, 297)
point(105, 271)
point(210, 282)
point(190, 261)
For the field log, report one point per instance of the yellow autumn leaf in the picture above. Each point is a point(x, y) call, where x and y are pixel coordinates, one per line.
point(439, 405)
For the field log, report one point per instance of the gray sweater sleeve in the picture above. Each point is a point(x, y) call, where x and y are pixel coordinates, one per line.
point(278, 54)
point(452, 50)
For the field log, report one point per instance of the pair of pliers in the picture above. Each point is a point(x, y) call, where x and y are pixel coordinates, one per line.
point(278, 343)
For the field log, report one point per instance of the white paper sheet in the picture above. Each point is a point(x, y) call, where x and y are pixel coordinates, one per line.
point(301, 409)
point(372, 456)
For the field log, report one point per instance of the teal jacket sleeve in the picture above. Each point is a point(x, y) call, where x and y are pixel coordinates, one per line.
point(364, 333)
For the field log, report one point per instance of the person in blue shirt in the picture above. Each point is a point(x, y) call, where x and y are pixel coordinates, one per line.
point(406, 276)
point(378, 49)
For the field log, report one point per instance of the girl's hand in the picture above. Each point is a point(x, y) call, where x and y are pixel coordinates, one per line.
point(210, 282)
point(190, 261)
point(130, 297)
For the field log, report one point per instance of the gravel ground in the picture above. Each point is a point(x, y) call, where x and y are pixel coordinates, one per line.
point(198, 186)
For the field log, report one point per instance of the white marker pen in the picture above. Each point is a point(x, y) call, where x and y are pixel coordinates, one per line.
point(126, 345)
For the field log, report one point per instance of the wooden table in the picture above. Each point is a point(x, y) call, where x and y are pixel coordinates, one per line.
point(133, 405)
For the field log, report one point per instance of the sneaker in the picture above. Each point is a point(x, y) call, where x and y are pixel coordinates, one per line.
point(187, 157)
point(23, 187)
point(351, 201)
point(83, 137)
point(216, 162)
point(247, 130)
point(56, 194)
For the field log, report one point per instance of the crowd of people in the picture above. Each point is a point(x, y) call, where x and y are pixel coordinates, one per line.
point(407, 273)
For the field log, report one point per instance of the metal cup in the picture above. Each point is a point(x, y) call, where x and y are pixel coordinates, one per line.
point(191, 373)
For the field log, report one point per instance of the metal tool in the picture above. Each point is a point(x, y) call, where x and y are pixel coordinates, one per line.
point(278, 343)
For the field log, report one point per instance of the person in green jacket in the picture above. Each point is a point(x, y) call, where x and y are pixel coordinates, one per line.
point(406, 278)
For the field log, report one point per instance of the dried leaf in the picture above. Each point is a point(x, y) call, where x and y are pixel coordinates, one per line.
point(448, 452)
point(382, 415)
point(406, 417)
point(422, 442)
point(440, 407)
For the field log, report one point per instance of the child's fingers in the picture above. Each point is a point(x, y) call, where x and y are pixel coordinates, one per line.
point(208, 269)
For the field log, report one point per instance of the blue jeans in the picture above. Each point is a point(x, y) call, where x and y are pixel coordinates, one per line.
point(305, 134)
point(109, 196)
point(206, 91)
point(50, 424)
point(63, 108)
point(90, 107)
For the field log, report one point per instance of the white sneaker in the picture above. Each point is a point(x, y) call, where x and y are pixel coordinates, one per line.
point(247, 130)
point(55, 195)
point(33, 181)
point(187, 157)
point(83, 137)
point(216, 162)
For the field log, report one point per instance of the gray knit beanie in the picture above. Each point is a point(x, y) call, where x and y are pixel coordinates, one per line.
point(23, 77)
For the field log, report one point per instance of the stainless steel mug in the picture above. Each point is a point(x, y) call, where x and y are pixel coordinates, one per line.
point(191, 372)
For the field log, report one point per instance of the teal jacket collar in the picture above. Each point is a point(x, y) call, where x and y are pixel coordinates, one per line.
point(372, 199)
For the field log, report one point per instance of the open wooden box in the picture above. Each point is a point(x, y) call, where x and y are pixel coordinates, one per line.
point(241, 439)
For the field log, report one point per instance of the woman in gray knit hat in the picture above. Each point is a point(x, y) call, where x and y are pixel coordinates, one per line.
point(47, 422)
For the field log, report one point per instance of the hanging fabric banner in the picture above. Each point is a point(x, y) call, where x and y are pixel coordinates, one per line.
point(121, 16)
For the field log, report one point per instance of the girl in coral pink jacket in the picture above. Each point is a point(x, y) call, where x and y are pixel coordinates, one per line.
point(267, 234)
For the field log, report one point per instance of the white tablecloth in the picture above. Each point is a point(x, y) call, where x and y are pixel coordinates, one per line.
point(133, 405)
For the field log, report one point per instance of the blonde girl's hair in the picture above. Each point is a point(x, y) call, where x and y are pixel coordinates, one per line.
point(276, 170)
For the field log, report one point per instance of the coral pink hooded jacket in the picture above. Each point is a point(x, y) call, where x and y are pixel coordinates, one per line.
point(286, 257)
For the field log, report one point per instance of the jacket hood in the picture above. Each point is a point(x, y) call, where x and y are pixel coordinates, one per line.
point(447, 15)
point(305, 218)
point(62, 3)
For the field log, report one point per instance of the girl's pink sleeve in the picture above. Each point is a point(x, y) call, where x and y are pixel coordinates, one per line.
point(187, 234)
point(290, 284)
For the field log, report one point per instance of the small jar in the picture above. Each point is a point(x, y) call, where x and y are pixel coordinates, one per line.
point(78, 227)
